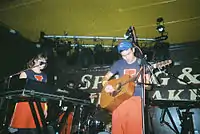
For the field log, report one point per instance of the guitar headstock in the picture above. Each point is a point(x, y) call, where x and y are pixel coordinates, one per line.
point(162, 64)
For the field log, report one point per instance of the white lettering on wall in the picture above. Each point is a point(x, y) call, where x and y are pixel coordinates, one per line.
point(157, 95)
point(164, 81)
point(187, 72)
point(86, 80)
point(97, 81)
point(193, 93)
point(99, 99)
point(92, 98)
point(173, 96)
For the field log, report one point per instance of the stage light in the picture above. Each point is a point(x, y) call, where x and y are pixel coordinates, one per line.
point(160, 29)
point(160, 25)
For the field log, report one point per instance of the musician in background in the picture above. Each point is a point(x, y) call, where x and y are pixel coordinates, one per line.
point(22, 118)
point(127, 117)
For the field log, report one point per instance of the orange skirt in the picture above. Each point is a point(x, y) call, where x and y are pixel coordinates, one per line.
point(22, 116)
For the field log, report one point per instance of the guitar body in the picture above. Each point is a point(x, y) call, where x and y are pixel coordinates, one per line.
point(112, 101)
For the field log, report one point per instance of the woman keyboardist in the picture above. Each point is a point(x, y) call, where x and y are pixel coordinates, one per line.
point(22, 119)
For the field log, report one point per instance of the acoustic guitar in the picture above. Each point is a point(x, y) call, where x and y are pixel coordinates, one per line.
point(124, 89)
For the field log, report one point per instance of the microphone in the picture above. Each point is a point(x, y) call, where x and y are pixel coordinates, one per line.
point(129, 33)
point(143, 62)
point(161, 38)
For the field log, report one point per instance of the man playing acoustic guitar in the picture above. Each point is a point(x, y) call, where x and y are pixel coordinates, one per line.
point(127, 117)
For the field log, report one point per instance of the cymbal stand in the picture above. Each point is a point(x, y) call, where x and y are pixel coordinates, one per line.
point(78, 110)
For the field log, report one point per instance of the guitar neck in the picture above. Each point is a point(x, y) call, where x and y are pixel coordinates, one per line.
point(153, 66)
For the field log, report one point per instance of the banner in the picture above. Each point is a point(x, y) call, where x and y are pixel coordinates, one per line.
point(178, 82)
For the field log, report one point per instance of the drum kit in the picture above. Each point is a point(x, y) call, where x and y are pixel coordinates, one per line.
point(87, 118)
point(83, 120)
point(96, 126)
point(95, 122)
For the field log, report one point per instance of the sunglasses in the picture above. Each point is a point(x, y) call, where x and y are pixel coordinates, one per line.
point(43, 63)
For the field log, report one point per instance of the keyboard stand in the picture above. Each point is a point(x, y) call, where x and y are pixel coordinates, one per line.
point(187, 125)
point(43, 129)
point(162, 120)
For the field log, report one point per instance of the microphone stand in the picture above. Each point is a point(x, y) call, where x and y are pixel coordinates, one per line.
point(146, 67)
point(131, 33)
point(143, 98)
point(18, 73)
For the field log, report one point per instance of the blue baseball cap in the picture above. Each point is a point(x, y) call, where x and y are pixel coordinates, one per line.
point(124, 45)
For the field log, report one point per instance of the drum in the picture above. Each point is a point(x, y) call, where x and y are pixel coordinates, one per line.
point(107, 129)
point(95, 126)
point(103, 132)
